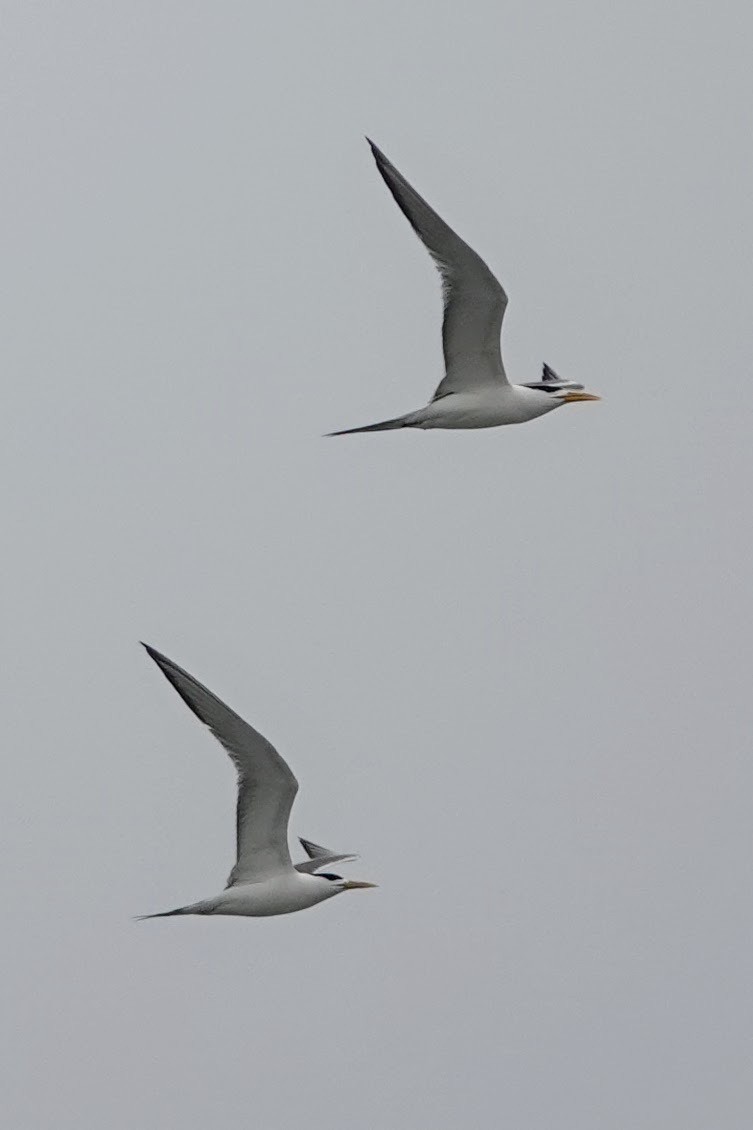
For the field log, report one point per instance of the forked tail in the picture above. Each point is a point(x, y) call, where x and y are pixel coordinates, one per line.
point(384, 426)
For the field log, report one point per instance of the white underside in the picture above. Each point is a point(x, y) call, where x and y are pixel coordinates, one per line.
point(484, 408)
point(280, 894)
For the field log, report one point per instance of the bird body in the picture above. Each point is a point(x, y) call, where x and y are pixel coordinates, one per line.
point(280, 894)
point(475, 391)
point(263, 881)
point(487, 407)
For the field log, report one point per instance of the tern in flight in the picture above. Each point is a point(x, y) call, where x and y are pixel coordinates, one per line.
point(263, 880)
point(475, 391)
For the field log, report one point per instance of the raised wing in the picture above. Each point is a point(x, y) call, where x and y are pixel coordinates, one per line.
point(266, 786)
point(319, 857)
point(474, 301)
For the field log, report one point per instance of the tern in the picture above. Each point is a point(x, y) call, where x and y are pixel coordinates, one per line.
point(475, 391)
point(263, 881)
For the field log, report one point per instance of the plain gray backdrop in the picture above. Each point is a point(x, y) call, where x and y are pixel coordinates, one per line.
point(510, 668)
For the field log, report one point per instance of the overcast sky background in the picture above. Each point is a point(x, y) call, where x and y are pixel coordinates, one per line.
point(512, 668)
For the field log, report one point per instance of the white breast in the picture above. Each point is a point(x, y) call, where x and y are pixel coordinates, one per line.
point(280, 894)
point(486, 408)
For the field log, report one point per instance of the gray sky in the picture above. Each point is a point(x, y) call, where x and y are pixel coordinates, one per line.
point(510, 668)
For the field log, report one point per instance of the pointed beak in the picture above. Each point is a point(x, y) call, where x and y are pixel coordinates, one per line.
point(356, 885)
point(574, 397)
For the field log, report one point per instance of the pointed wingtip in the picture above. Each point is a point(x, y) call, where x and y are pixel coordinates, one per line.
point(157, 657)
point(376, 152)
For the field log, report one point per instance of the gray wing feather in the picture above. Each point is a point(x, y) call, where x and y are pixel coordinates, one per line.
point(311, 866)
point(551, 382)
point(319, 857)
point(474, 300)
point(266, 785)
point(313, 850)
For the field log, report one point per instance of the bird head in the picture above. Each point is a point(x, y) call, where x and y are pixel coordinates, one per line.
point(561, 391)
point(341, 884)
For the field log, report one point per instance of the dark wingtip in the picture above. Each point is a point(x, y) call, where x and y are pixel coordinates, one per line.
point(152, 652)
point(170, 670)
point(377, 154)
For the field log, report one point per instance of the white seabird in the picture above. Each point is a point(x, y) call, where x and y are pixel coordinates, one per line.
point(475, 391)
point(263, 881)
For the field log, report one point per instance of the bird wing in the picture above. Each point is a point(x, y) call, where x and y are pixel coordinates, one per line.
point(551, 382)
point(311, 866)
point(474, 301)
point(319, 857)
point(266, 785)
